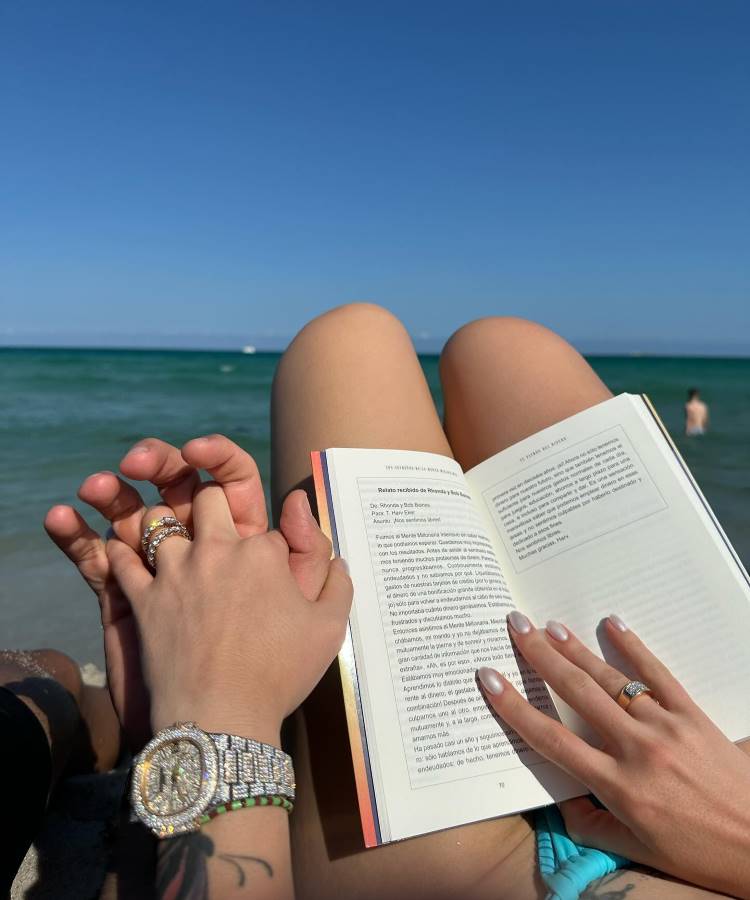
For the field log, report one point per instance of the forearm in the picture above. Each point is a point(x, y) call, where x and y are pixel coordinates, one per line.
point(241, 854)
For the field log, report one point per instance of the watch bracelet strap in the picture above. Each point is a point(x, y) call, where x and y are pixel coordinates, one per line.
point(249, 768)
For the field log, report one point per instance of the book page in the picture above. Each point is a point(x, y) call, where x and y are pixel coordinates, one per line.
point(596, 515)
point(429, 608)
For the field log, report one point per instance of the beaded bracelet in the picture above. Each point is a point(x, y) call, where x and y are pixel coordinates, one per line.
point(246, 803)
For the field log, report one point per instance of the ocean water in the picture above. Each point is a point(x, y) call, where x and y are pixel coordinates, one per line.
point(68, 413)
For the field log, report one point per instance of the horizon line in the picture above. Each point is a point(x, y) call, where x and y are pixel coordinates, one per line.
point(718, 351)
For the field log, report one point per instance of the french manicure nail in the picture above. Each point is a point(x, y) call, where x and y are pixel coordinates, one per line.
point(139, 448)
point(558, 631)
point(490, 681)
point(519, 622)
point(617, 622)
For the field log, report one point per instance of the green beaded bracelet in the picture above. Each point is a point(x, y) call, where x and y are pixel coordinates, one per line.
point(246, 804)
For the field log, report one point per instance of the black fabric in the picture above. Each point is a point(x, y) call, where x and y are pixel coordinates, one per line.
point(26, 771)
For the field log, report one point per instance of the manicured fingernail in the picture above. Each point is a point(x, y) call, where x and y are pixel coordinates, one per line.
point(345, 564)
point(558, 631)
point(617, 622)
point(139, 448)
point(519, 622)
point(490, 681)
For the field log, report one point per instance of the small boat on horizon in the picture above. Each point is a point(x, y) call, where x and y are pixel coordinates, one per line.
point(248, 348)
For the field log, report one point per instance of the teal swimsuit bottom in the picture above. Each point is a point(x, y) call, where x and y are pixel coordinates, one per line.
point(567, 868)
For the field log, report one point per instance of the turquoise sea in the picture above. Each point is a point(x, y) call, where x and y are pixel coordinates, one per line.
point(67, 413)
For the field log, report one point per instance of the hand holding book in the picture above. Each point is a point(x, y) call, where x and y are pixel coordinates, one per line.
point(677, 791)
point(595, 511)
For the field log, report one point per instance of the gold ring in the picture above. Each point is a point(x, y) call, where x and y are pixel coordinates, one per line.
point(632, 690)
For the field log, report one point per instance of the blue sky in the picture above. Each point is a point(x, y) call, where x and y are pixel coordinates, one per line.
point(212, 174)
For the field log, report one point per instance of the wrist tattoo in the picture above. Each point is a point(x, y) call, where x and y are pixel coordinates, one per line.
point(182, 867)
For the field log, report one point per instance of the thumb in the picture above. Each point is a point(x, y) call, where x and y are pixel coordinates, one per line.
point(337, 593)
point(591, 826)
point(310, 548)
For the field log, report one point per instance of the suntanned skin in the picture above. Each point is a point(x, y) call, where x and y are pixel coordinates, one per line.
point(696, 414)
point(351, 379)
point(80, 724)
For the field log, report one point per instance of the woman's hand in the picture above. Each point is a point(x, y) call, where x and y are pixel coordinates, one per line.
point(677, 791)
point(175, 474)
point(228, 639)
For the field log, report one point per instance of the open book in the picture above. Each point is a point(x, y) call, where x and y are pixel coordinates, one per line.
point(596, 514)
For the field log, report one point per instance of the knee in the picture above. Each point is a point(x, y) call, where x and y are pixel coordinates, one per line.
point(62, 668)
point(355, 325)
point(337, 323)
point(508, 335)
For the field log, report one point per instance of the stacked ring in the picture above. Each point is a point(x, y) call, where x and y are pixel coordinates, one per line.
point(157, 532)
point(156, 525)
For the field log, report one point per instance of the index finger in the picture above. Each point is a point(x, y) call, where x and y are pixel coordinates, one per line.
point(236, 471)
point(546, 735)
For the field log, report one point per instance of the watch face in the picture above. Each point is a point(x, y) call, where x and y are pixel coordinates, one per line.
point(174, 779)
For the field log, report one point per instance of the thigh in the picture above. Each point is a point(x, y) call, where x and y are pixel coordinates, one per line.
point(505, 379)
point(351, 378)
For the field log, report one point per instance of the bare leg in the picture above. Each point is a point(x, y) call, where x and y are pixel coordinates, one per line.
point(51, 722)
point(505, 379)
point(351, 378)
point(80, 724)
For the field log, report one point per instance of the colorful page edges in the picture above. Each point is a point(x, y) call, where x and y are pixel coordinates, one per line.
point(347, 668)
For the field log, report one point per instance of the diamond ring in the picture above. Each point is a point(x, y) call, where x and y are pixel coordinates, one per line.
point(157, 531)
point(632, 690)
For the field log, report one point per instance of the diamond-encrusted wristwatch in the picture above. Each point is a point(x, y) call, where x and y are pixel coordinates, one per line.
point(185, 773)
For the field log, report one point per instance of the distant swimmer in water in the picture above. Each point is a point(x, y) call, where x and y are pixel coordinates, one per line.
point(696, 414)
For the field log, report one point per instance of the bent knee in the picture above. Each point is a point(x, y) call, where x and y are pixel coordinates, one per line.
point(18, 665)
point(357, 325)
point(494, 334)
point(357, 317)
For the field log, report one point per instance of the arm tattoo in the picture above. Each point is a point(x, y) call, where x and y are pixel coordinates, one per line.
point(182, 868)
point(181, 872)
point(234, 859)
point(606, 889)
